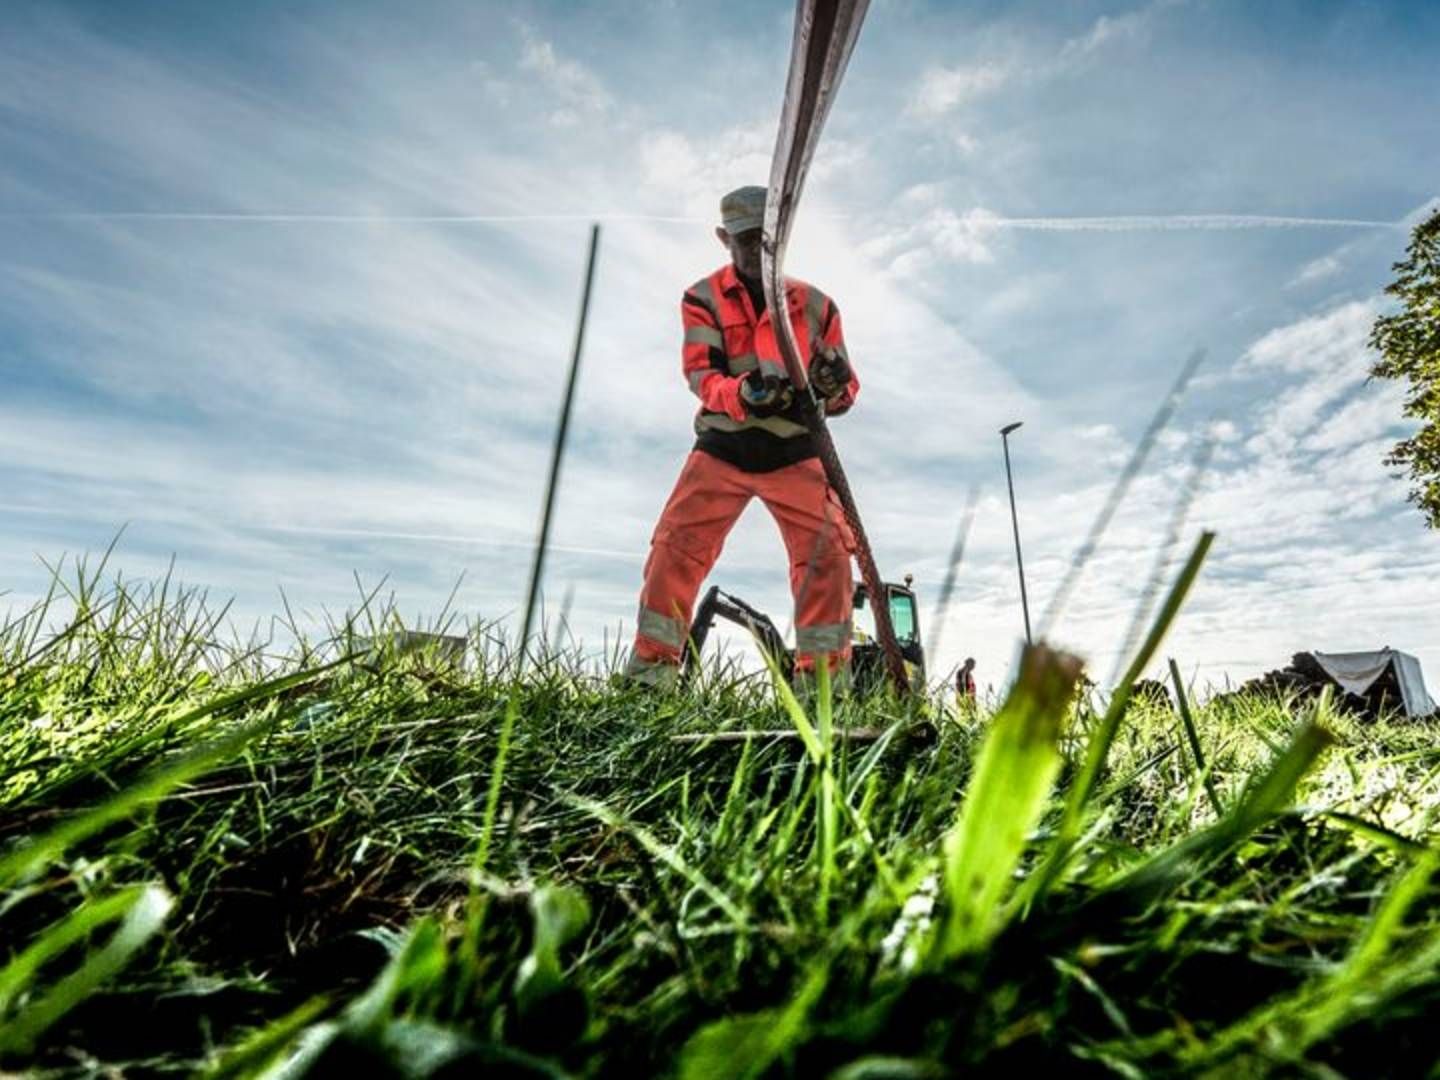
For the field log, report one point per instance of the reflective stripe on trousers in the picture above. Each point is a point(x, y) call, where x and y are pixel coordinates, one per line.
point(663, 629)
point(840, 677)
point(709, 496)
point(662, 674)
point(826, 638)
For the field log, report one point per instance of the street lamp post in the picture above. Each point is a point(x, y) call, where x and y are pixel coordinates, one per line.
point(1015, 522)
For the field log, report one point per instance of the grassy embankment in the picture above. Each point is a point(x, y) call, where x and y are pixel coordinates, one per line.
point(204, 865)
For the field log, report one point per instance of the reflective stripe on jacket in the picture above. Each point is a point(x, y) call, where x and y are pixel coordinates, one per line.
point(725, 340)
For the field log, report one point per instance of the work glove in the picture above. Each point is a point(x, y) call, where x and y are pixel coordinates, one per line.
point(765, 395)
point(829, 372)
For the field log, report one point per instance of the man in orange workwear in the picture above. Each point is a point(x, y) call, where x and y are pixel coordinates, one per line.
point(751, 442)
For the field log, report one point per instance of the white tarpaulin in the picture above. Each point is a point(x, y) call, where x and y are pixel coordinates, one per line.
point(1356, 672)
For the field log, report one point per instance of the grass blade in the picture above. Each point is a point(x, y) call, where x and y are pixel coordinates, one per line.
point(1008, 792)
point(1182, 704)
point(826, 794)
point(1268, 796)
point(142, 911)
point(1097, 750)
point(262, 1050)
point(56, 938)
point(28, 860)
point(665, 854)
point(952, 571)
point(746, 1046)
point(1377, 969)
point(1099, 746)
point(1162, 416)
point(1163, 554)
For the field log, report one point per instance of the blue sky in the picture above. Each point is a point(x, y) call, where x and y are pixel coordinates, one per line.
point(217, 329)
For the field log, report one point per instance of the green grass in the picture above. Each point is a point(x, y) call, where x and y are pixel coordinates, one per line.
point(215, 859)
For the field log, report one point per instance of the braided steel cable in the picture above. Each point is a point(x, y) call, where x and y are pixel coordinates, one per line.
point(825, 33)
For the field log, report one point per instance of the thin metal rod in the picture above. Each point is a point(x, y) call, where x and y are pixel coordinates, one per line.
point(537, 571)
point(552, 485)
point(1015, 523)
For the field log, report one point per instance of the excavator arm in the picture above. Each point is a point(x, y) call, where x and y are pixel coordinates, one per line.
point(868, 664)
point(721, 605)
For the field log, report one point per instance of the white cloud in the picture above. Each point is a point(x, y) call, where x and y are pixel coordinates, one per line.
point(1327, 266)
point(1107, 30)
point(691, 171)
point(1321, 343)
point(912, 246)
point(921, 195)
point(1372, 415)
point(961, 236)
point(1099, 433)
point(1173, 440)
point(1223, 431)
point(570, 81)
point(941, 90)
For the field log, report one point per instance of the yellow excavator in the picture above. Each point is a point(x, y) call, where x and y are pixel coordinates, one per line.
point(867, 665)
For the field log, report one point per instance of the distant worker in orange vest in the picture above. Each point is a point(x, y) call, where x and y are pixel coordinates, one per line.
point(965, 680)
point(751, 442)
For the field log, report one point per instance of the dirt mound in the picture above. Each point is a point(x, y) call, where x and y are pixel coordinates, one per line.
point(1303, 678)
point(1151, 692)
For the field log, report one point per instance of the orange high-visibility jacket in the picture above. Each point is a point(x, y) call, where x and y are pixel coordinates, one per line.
point(725, 340)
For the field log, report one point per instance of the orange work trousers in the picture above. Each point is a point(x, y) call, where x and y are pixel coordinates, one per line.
point(708, 498)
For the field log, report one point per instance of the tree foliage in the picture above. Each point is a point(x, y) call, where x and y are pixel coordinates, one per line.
point(1408, 341)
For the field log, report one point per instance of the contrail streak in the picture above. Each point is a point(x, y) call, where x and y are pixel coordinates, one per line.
point(384, 534)
point(977, 220)
point(1173, 223)
point(337, 219)
point(444, 538)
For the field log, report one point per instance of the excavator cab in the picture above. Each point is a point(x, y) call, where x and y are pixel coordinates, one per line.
point(868, 659)
point(867, 666)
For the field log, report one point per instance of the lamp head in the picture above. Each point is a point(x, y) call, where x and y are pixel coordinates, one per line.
point(1011, 427)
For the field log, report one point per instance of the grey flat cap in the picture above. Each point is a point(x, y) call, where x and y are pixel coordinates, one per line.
point(743, 209)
